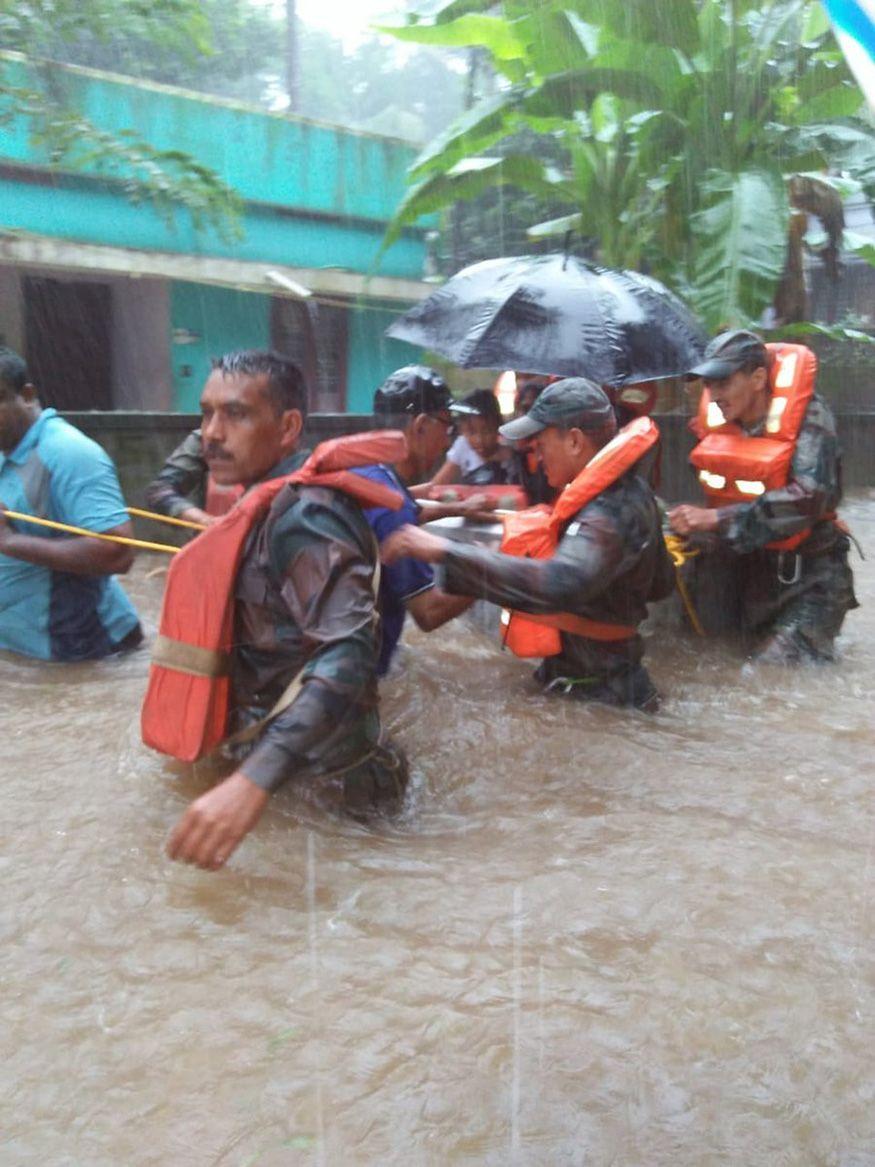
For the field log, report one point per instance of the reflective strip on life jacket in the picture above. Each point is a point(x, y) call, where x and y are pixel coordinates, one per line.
point(185, 711)
point(535, 534)
point(734, 466)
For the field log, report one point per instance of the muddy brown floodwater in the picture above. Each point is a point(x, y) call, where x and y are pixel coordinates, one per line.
point(594, 939)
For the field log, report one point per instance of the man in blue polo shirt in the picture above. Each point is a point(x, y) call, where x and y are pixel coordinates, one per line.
point(58, 598)
point(414, 399)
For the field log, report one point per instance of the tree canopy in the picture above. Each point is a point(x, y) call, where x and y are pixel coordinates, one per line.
point(49, 30)
point(678, 124)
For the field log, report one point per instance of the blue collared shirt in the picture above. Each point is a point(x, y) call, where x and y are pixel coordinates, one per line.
point(56, 472)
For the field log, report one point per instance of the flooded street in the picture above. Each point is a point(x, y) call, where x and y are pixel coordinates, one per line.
point(595, 938)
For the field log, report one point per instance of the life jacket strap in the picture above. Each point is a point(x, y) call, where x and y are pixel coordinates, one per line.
point(294, 687)
point(583, 626)
point(190, 658)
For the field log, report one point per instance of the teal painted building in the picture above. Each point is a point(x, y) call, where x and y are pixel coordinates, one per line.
point(117, 306)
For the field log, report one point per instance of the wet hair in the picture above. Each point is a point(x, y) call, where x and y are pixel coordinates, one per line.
point(286, 386)
point(485, 403)
point(13, 373)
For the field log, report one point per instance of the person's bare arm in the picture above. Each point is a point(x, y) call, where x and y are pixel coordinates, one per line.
point(77, 555)
point(447, 475)
point(194, 514)
point(476, 506)
point(432, 608)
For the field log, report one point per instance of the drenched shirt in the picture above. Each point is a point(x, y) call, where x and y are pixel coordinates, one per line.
point(400, 581)
point(305, 605)
point(56, 472)
point(610, 561)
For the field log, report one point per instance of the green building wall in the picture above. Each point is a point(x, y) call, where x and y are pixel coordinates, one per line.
point(315, 196)
point(372, 356)
point(206, 322)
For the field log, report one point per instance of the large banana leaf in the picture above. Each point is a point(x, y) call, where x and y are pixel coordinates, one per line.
point(740, 238)
point(475, 131)
point(564, 94)
point(469, 179)
point(646, 21)
point(494, 33)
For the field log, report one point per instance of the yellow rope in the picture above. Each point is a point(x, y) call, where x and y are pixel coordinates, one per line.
point(68, 529)
point(166, 519)
point(676, 548)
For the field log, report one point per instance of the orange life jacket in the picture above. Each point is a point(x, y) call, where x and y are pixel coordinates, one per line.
point(185, 710)
point(735, 467)
point(220, 499)
point(535, 534)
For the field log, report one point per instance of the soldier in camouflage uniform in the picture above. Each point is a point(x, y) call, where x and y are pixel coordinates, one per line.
point(179, 489)
point(611, 559)
point(304, 605)
point(788, 604)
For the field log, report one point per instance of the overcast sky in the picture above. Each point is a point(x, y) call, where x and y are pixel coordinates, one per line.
point(349, 19)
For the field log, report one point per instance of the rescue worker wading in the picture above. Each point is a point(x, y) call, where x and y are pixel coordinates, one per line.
point(775, 566)
point(304, 607)
point(608, 560)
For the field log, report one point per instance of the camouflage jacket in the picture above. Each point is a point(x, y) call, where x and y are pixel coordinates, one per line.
point(305, 601)
point(812, 492)
point(610, 561)
point(181, 482)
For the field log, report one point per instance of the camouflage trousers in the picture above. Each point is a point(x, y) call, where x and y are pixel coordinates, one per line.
point(783, 606)
point(376, 787)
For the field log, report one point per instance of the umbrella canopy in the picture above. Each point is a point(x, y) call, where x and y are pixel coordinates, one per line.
point(558, 315)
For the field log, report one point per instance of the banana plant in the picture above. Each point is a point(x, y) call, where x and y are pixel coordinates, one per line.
point(679, 122)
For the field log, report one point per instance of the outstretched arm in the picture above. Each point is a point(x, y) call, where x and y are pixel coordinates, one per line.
point(179, 488)
point(323, 560)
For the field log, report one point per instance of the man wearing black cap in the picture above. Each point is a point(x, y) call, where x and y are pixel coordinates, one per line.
point(777, 564)
point(416, 400)
point(610, 559)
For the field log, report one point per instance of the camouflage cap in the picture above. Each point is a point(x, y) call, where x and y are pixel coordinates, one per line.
point(729, 352)
point(571, 403)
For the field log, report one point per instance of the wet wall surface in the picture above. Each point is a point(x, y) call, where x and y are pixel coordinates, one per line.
point(594, 938)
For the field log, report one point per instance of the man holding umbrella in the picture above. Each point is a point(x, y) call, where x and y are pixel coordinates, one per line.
point(608, 561)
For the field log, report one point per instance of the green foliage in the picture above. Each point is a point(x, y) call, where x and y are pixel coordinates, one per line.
point(739, 235)
point(168, 179)
point(675, 123)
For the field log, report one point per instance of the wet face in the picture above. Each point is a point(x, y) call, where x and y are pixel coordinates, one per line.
point(436, 436)
point(482, 435)
point(18, 411)
point(563, 453)
point(243, 435)
point(742, 397)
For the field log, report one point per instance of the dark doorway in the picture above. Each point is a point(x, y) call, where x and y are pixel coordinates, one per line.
point(315, 337)
point(67, 341)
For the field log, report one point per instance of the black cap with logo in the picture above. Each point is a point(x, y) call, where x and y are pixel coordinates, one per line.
point(571, 403)
point(413, 389)
point(729, 352)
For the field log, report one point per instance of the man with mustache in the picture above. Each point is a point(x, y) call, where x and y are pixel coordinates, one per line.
point(304, 608)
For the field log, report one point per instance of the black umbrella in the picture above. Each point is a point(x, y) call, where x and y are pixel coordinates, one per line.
point(559, 315)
